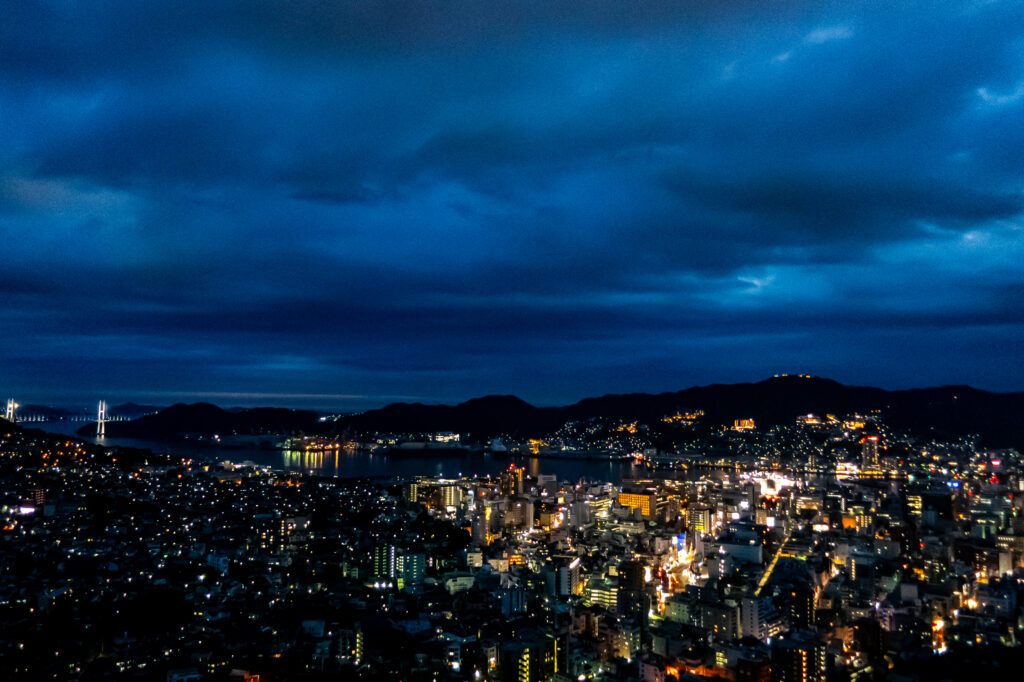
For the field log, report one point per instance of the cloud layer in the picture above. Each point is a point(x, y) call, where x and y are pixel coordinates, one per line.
point(366, 200)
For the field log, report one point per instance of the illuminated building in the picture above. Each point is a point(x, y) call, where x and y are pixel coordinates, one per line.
point(720, 619)
point(646, 502)
point(869, 452)
point(743, 425)
point(798, 657)
point(579, 513)
point(521, 513)
point(758, 618)
point(567, 576)
point(529, 660)
point(599, 508)
point(549, 518)
point(278, 537)
point(700, 520)
point(685, 418)
point(412, 568)
point(623, 641)
point(511, 481)
point(350, 644)
point(915, 505)
point(384, 561)
point(451, 496)
point(601, 593)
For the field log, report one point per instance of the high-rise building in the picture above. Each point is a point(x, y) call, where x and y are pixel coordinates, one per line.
point(384, 561)
point(800, 607)
point(579, 513)
point(631, 600)
point(479, 529)
point(37, 496)
point(529, 659)
point(512, 600)
point(798, 657)
point(350, 644)
point(511, 481)
point(869, 452)
point(755, 614)
point(277, 535)
point(700, 520)
point(412, 568)
point(567, 576)
point(521, 510)
point(451, 496)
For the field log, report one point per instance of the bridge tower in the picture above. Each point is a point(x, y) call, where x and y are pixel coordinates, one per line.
point(11, 408)
point(101, 420)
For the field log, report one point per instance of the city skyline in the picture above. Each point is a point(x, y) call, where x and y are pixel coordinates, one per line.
point(350, 205)
point(820, 548)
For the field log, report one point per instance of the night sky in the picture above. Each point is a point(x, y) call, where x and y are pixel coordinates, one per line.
point(339, 204)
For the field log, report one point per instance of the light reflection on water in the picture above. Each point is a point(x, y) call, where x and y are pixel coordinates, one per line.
point(354, 463)
point(360, 464)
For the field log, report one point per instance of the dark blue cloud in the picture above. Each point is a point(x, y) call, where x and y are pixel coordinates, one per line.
point(361, 201)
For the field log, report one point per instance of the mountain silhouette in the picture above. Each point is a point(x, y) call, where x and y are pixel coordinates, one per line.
point(944, 411)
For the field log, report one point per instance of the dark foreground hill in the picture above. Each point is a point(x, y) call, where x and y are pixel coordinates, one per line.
point(206, 419)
